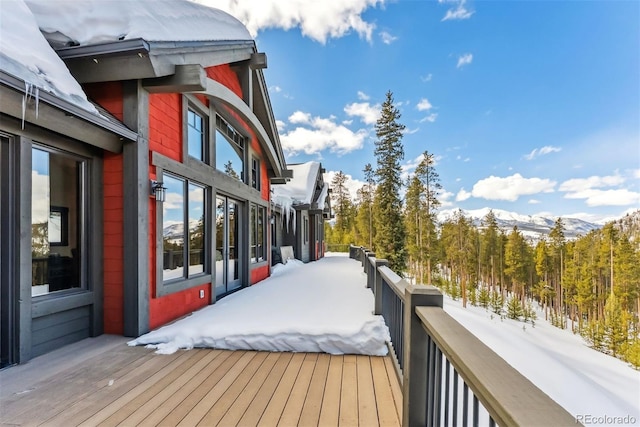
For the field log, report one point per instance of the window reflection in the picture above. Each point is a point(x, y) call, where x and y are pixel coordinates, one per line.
point(229, 150)
point(173, 229)
point(183, 229)
point(56, 224)
point(196, 135)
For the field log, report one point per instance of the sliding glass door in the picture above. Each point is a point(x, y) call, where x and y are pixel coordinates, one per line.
point(228, 266)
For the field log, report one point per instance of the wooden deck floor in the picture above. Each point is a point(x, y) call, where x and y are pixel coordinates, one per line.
point(131, 386)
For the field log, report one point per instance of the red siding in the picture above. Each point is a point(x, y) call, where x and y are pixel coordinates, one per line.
point(165, 125)
point(109, 96)
point(113, 244)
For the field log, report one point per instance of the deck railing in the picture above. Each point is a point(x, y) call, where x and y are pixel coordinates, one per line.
point(449, 377)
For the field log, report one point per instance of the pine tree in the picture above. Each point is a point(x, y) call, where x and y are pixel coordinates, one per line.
point(343, 208)
point(514, 307)
point(390, 228)
point(369, 177)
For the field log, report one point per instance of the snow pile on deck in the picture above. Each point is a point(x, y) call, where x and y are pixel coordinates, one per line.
point(322, 306)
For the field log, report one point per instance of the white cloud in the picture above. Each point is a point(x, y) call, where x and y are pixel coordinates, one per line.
point(534, 202)
point(276, 89)
point(464, 59)
point(547, 149)
point(458, 13)
point(318, 20)
point(636, 173)
point(353, 185)
point(592, 190)
point(320, 134)
point(347, 122)
point(368, 113)
point(430, 118)
point(510, 188)
point(408, 131)
point(445, 199)
point(597, 197)
point(582, 184)
point(387, 38)
point(424, 105)
point(363, 96)
point(300, 117)
point(462, 195)
point(426, 78)
point(280, 124)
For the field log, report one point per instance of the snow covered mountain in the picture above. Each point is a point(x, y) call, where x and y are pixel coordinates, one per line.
point(532, 226)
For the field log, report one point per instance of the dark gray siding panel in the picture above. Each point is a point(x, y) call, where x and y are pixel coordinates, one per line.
point(59, 329)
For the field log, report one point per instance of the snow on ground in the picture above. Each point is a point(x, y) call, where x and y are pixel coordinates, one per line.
point(322, 306)
point(583, 381)
point(325, 306)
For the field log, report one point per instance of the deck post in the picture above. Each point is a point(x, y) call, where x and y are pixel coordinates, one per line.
point(377, 286)
point(369, 269)
point(415, 366)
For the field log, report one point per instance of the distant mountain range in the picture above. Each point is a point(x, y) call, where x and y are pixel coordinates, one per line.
point(532, 226)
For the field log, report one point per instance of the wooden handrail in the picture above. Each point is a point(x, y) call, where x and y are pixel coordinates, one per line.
point(509, 397)
point(428, 336)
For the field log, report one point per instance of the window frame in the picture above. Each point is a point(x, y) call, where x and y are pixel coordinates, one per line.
point(165, 165)
point(191, 103)
point(256, 175)
point(83, 225)
point(233, 136)
point(254, 233)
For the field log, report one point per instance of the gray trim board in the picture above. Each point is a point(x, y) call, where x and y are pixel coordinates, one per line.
point(51, 304)
point(25, 269)
point(63, 117)
point(136, 214)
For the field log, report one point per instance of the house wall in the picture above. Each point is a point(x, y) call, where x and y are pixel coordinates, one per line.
point(109, 96)
point(165, 137)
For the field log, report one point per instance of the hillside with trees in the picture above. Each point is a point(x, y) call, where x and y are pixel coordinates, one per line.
point(589, 283)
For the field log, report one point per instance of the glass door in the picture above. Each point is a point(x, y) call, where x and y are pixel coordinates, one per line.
point(228, 265)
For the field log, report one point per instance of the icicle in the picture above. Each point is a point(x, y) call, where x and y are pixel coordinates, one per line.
point(29, 91)
point(37, 100)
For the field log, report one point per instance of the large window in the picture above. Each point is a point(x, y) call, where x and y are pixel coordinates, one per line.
point(230, 146)
point(258, 230)
point(196, 136)
point(57, 225)
point(183, 229)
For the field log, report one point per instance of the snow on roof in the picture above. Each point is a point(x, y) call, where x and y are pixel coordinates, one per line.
point(87, 22)
point(301, 187)
point(25, 54)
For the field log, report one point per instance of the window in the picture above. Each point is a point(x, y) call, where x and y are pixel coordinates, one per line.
point(306, 229)
point(57, 223)
point(258, 230)
point(229, 150)
point(255, 173)
point(196, 136)
point(183, 229)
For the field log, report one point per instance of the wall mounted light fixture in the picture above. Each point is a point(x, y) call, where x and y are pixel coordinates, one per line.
point(158, 190)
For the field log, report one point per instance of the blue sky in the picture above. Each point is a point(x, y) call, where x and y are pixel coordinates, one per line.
point(528, 106)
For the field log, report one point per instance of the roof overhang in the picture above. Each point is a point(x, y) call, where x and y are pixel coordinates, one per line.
point(141, 59)
point(61, 116)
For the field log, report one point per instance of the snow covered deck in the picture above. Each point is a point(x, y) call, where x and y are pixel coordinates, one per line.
point(102, 381)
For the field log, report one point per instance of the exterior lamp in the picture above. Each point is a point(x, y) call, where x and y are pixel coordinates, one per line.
point(158, 190)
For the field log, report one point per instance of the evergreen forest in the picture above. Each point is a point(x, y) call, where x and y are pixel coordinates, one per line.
point(590, 285)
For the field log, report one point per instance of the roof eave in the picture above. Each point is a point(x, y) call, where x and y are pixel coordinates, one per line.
point(141, 59)
point(62, 116)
